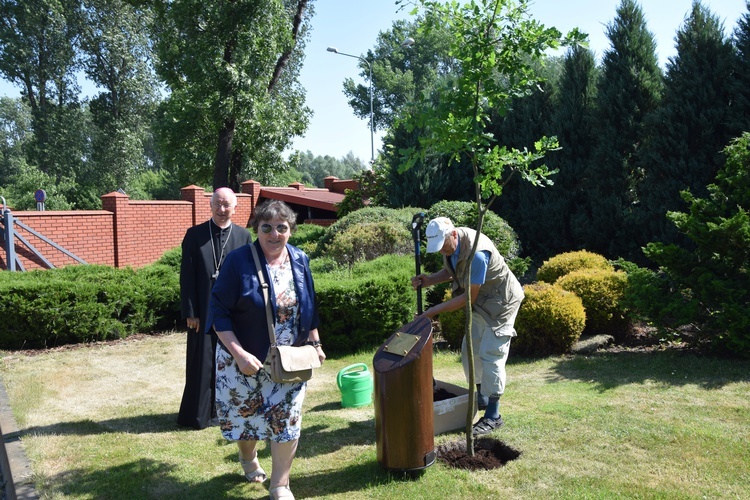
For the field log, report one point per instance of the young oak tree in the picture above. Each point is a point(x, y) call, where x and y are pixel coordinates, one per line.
point(496, 45)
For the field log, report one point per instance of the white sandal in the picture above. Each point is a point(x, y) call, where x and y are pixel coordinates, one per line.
point(281, 493)
point(256, 474)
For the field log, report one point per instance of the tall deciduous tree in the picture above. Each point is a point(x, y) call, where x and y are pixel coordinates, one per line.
point(231, 67)
point(689, 131)
point(37, 53)
point(496, 44)
point(15, 131)
point(400, 73)
point(115, 53)
point(318, 168)
point(630, 87)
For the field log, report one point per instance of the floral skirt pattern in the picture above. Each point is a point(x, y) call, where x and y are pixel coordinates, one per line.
point(255, 407)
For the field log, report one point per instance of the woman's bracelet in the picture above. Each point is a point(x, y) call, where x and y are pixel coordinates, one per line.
point(314, 343)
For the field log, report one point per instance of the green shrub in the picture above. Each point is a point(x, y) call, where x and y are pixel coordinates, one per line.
point(307, 236)
point(550, 321)
point(172, 258)
point(401, 217)
point(464, 213)
point(564, 263)
point(602, 292)
point(653, 297)
point(708, 272)
point(87, 303)
point(324, 265)
point(362, 311)
point(452, 324)
point(369, 241)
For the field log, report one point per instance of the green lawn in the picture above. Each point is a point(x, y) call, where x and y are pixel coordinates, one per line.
point(98, 422)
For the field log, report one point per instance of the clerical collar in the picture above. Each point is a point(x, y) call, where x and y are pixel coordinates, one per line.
point(218, 261)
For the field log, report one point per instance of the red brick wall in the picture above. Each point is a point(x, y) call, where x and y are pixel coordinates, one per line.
point(125, 233)
point(88, 235)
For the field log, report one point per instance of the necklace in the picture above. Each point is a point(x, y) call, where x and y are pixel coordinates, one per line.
point(217, 265)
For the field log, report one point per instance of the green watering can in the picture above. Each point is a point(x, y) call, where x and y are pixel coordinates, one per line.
point(355, 384)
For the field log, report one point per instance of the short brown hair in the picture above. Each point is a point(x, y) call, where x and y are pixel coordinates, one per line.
point(271, 209)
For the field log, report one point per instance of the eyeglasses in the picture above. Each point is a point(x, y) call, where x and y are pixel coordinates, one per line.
point(281, 228)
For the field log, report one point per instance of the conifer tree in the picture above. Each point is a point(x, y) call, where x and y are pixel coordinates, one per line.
point(528, 117)
point(691, 128)
point(573, 124)
point(742, 71)
point(630, 87)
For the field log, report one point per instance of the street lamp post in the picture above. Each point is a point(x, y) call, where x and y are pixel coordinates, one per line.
point(372, 123)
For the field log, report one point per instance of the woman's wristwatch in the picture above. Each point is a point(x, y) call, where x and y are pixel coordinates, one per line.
point(314, 343)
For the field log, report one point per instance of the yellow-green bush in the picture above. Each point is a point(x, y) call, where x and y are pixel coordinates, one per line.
point(550, 320)
point(452, 325)
point(567, 262)
point(601, 291)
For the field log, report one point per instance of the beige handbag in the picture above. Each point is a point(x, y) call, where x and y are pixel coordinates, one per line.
point(285, 363)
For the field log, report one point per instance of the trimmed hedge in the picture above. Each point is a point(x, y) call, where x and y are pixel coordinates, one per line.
point(550, 320)
point(87, 303)
point(602, 292)
point(567, 262)
point(361, 309)
point(306, 237)
point(464, 213)
point(401, 217)
point(369, 241)
point(452, 324)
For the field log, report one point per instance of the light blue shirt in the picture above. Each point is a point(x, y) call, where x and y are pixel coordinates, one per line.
point(478, 265)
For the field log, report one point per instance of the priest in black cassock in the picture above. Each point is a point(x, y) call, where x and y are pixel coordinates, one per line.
point(203, 251)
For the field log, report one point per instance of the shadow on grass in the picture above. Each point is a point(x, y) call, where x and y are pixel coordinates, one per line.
point(609, 370)
point(321, 440)
point(138, 424)
point(146, 478)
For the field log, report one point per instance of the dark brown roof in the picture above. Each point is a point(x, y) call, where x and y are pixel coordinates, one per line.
point(300, 195)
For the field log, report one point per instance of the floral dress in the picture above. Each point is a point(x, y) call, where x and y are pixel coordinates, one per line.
point(254, 407)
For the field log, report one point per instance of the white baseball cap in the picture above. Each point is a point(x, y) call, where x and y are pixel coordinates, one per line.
point(436, 232)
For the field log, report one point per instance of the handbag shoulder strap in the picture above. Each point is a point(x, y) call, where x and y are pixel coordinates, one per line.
point(264, 287)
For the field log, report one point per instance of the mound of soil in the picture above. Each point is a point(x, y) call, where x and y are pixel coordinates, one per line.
point(489, 453)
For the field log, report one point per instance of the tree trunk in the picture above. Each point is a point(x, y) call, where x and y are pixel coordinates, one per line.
point(224, 154)
point(235, 170)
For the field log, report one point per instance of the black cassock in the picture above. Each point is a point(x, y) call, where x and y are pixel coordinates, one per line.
point(203, 250)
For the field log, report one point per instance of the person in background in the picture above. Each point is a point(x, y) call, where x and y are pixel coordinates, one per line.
point(252, 407)
point(204, 249)
point(496, 296)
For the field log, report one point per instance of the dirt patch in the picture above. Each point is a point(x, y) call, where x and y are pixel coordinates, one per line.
point(489, 453)
point(442, 394)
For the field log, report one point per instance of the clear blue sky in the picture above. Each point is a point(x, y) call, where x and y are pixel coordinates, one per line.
point(352, 26)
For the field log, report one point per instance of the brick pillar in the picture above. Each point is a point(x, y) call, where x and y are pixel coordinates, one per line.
point(328, 182)
point(119, 205)
point(252, 188)
point(195, 195)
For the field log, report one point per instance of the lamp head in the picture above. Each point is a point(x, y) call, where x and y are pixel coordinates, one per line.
point(333, 49)
point(408, 42)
